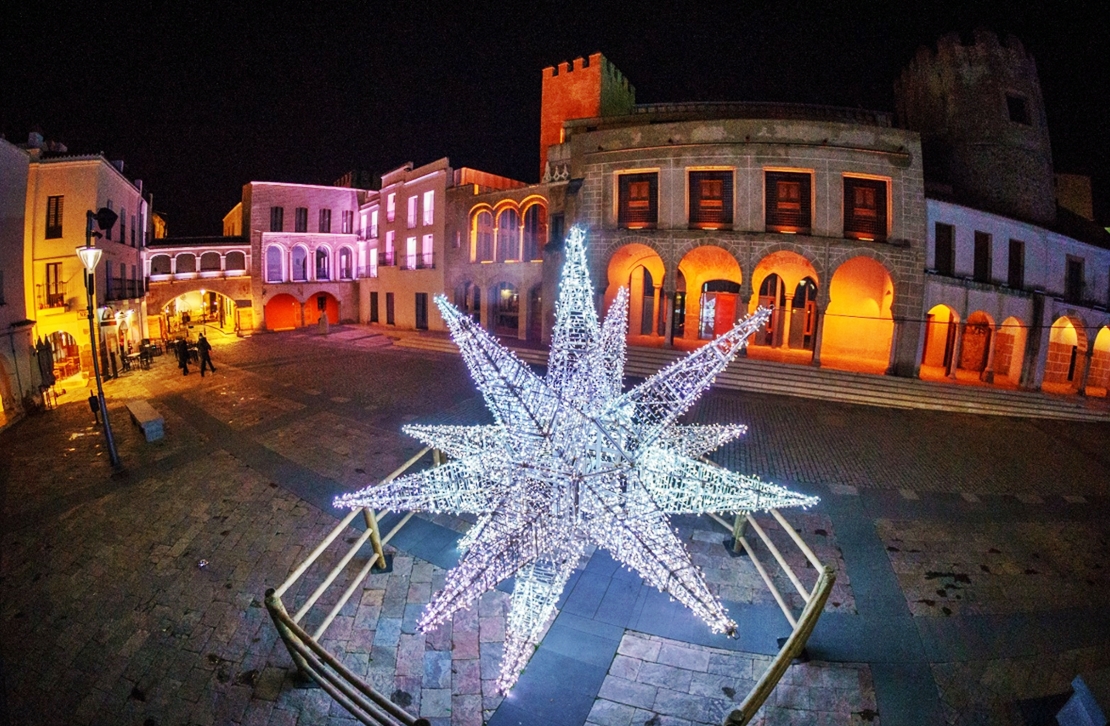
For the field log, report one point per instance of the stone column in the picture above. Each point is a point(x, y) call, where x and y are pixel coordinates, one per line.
point(1086, 368)
point(818, 338)
point(957, 346)
point(987, 376)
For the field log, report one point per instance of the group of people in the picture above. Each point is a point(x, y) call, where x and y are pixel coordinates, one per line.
point(204, 355)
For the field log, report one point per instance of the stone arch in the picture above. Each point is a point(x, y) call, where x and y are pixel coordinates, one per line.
point(858, 328)
point(481, 233)
point(275, 264)
point(298, 263)
point(184, 263)
point(235, 261)
point(1098, 379)
point(504, 303)
point(712, 278)
point(975, 342)
point(210, 262)
point(345, 266)
point(321, 263)
point(1066, 355)
point(321, 303)
point(161, 265)
point(1009, 352)
point(640, 269)
point(793, 300)
point(282, 312)
point(507, 229)
point(534, 217)
point(468, 299)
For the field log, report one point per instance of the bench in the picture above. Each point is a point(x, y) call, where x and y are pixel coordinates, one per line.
point(147, 419)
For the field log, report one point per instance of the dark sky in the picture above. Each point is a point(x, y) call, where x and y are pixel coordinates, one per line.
point(200, 97)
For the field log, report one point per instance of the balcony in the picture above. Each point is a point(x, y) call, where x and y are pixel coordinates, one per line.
point(424, 261)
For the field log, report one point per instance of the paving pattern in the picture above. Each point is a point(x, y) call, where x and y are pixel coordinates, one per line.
point(971, 555)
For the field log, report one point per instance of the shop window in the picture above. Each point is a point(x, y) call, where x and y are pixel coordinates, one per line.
point(865, 209)
point(788, 202)
point(710, 199)
point(637, 200)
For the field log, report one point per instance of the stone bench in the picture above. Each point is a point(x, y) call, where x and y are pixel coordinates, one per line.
point(147, 419)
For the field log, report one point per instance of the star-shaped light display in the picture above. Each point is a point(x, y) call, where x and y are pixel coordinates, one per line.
point(571, 460)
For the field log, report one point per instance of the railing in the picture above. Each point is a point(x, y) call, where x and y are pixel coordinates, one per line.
point(387, 258)
point(425, 261)
point(55, 299)
point(360, 699)
point(801, 626)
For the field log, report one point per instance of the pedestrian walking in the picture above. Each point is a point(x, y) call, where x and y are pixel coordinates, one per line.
point(183, 356)
point(204, 352)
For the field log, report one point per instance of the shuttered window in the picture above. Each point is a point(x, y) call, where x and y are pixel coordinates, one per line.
point(865, 209)
point(637, 200)
point(710, 199)
point(788, 202)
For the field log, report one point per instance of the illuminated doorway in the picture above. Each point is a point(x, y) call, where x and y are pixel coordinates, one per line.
point(321, 303)
point(195, 309)
point(1098, 380)
point(1066, 355)
point(67, 354)
point(640, 269)
point(975, 344)
point(718, 308)
point(283, 312)
point(859, 324)
point(711, 279)
point(1009, 352)
point(506, 310)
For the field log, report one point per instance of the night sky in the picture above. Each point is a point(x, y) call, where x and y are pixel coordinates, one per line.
point(200, 98)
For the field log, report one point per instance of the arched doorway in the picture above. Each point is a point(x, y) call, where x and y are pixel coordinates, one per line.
point(506, 309)
point(975, 343)
point(712, 279)
point(1009, 352)
point(1098, 380)
point(859, 325)
point(787, 283)
point(1066, 355)
point(535, 313)
point(942, 325)
point(468, 299)
point(282, 312)
point(196, 308)
point(640, 269)
point(67, 354)
point(318, 304)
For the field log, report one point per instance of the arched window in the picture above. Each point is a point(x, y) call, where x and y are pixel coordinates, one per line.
point(535, 232)
point(210, 262)
point(346, 263)
point(235, 261)
point(300, 264)
point(274, 272)
point(323, 264)
point(160, 265)
point(508, 235)
point(185, 262)
point(482, 237)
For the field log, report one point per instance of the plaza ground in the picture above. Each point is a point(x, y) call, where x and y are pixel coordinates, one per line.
point(972, 551)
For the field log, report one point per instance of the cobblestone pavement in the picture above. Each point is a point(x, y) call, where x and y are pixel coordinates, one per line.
point(971, 556)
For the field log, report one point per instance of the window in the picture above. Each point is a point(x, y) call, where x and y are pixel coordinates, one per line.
point(160, 265)
point(389, 319)
point(710, 199)
point(1018, 109)
point(132, 230)
point(421, 311)
point(325, 221)
point(944, 249)
point(300, 264)
point(865, 209)
point(210, 262)
point(555, 229)
point(412, 212)
point(788, 202)
point(391, 207)
point(300, 219)
point(1015, 277)
point(55, 290)
point(54, 217)
point(637, 204)
point(410, 254)
point(508, 235)
point(277, 219)
point(108, 232)
point(122, 225)
point(982, 271)
point(506, 309)
point(483, 237)
point(348, 221)
point(429, 207)
point(346, 263)
point(373, 307)
point(323, 264)
point(389, 240)
point(535, 232)
point(185, 263)
point(426, 251)
point(374, 224)
point(235, 260)
point(1073, 281)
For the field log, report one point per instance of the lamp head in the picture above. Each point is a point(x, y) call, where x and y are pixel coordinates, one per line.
point(90, 257)
point(105, 218)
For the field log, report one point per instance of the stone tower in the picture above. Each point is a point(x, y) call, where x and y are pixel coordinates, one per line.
point(979, 110)
point(589, 88)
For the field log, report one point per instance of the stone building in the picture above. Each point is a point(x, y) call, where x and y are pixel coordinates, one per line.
point(17, 377)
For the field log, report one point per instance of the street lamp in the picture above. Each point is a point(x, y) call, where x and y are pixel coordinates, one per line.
point(90, 258)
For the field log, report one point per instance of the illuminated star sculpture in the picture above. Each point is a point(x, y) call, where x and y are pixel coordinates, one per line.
point(572, 460)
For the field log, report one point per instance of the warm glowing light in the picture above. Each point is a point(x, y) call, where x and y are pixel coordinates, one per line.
point(90, 257)
point(570, 460)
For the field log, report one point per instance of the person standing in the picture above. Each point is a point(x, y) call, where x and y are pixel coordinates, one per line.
point(183, 356)
point(204, 349)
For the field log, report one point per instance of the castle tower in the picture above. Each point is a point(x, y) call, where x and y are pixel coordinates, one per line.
point(981, 117)
point(587, 89)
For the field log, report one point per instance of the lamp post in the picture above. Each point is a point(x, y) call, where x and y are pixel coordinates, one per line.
point(90, 258)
